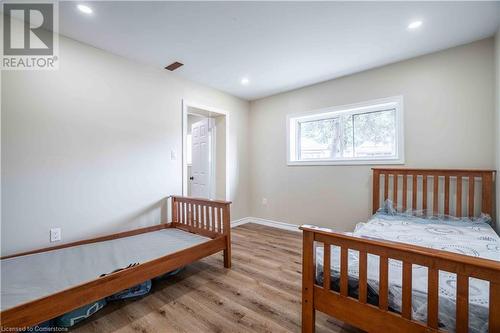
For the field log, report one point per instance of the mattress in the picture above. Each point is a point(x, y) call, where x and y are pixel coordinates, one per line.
point(33, 276)
point(474, 239)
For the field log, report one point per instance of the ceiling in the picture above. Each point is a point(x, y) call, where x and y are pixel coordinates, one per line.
point(278, 46)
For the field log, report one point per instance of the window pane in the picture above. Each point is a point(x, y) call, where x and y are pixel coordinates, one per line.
point(347, 136)
point(319, 139)
point(375, 134)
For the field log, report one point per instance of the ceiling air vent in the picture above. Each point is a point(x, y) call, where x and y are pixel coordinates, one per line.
point(173, 66)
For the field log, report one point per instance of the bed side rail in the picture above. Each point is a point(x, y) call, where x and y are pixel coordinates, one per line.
point(378, 318)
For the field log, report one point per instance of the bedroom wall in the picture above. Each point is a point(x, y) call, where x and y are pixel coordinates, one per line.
point(87, 148)
point(448, 101)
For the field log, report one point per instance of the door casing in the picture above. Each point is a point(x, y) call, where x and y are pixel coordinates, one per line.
point(185, 106)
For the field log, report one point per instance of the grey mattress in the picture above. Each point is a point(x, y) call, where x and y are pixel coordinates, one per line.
point(30, 277)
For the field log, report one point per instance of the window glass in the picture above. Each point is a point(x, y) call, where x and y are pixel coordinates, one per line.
point(366, 133)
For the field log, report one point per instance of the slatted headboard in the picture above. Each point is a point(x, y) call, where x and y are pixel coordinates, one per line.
point(461, 193)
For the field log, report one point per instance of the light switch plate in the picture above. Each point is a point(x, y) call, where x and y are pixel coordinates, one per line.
point(55, 234)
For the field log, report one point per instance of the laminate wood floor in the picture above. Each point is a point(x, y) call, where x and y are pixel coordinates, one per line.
point(260, 293)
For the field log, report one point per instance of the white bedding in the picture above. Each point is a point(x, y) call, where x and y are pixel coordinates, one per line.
point(29, 277)
point(475, 239)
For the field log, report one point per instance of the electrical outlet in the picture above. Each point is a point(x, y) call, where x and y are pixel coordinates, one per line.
point(55, 234)
point(173, 155)
point(264, 201)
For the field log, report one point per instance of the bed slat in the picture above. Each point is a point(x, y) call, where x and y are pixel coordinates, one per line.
point(462, 303)
point(414, 192)
point(424, 193)
point(202, 217)
point(432, 297)
point(196, 216)
point(343, 271)
point(395, 189)
point(326, 266)
point(386, 186)
point(219, 213)
point(406, 298)
point(446, 195)
point(383, 283)
point(471, 195)
point(199, 216)
point(487, 196)
point(191, 212)
point(212, 220)
point(458, 206)
point(405, 191)
point(363, 276)
point(183, 213)
point(435, 195)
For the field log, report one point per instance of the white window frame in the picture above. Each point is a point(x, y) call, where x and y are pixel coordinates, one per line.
point(395, 102)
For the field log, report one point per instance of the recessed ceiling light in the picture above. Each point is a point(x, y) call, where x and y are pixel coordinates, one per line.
point(84, 9)
point(414, 25)
point(245, 81)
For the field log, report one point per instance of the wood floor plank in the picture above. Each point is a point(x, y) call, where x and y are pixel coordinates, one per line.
point(260, 293)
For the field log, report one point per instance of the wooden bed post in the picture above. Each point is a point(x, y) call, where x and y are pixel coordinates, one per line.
point(174, 211)
point(487, 202)
point(227, 234)
point(308, 312)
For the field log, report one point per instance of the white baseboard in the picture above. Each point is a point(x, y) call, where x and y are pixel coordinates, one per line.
point(236, 223)
point(269, 223)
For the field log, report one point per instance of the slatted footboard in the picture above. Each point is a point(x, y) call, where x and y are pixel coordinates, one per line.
point(210, 218)
point(373, 318)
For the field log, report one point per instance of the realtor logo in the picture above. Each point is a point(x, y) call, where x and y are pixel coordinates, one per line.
point(30, 37)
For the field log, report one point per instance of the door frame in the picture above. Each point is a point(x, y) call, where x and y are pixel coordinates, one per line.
point(185, 105)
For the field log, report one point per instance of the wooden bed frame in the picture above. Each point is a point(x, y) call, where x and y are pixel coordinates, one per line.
point(356, 311)
point(209, 218)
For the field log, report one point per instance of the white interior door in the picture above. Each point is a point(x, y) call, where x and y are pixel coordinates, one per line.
point(200, 168)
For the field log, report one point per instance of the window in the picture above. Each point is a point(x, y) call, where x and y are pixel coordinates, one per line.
point(364, 133)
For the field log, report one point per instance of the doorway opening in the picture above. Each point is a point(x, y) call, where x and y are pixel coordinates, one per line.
point(204, 152)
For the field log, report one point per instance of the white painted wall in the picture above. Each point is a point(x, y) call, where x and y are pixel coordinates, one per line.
point(87, 148)
point(449, 103)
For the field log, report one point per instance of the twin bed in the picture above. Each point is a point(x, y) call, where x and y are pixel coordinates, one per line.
point(412, 269)
point(43, 284)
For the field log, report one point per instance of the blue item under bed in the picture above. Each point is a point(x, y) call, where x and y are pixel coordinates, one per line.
point(133, 292)
point(74, 317)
